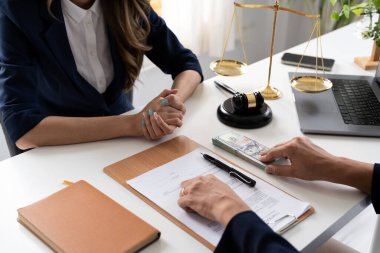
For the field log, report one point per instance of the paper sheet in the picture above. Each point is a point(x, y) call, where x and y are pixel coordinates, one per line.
point(162, 186)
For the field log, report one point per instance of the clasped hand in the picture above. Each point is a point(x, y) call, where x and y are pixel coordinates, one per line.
point(162, 115)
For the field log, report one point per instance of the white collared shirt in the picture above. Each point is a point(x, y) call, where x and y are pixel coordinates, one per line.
point(89, 43)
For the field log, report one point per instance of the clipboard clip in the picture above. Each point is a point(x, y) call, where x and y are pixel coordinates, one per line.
point(286, 226)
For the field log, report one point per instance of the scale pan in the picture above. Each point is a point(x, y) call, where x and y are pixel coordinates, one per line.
point(311, 84)
point(228, 67)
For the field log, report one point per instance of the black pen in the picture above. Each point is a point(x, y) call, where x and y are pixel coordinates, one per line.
point(233, 173)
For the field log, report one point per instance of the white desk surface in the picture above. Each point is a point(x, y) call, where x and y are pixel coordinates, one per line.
point(36, 174)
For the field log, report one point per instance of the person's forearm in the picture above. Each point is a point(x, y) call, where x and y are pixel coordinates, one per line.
point(186, 82)
point(352, 173)
point(54, 130)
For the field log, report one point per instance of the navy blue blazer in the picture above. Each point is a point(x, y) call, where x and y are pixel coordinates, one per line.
point(38, 75)
point(247, 233)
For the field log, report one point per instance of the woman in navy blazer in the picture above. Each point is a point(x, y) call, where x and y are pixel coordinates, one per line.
point(245, 232)
point(44, 100)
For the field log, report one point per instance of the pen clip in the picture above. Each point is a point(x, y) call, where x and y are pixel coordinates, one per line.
point(236, 175)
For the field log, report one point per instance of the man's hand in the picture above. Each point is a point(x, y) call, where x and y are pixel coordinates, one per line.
point(210, 198)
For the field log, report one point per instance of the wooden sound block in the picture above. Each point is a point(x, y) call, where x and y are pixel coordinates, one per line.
point(366, 63)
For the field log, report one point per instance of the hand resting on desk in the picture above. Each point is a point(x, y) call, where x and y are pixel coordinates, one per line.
point(211, 198)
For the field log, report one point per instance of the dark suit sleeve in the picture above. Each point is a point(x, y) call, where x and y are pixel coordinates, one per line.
point(167, 52)
point(247, 233)
point(375, 190)
point(17, 81)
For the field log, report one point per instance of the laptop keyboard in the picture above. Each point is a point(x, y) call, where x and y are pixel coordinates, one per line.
point(357, 102)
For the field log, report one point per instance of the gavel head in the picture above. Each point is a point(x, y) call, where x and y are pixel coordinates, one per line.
point(247, 101)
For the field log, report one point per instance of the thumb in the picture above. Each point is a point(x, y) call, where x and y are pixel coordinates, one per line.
point(273, 153)
point(279, 170)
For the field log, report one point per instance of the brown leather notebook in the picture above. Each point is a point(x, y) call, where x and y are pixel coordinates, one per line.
point(82, 219)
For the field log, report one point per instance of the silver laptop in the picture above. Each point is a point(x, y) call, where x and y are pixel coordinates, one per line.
point(351, 107)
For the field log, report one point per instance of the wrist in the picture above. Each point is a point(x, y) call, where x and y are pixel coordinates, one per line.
point(333, 166)
point(186, 82)
point(352, 173)
point(132, 124)
point(229, 209)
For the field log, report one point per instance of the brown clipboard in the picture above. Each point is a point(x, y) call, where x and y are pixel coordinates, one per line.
point(154, 157)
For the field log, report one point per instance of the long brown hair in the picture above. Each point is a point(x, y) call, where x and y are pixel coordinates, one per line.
point(129, 25)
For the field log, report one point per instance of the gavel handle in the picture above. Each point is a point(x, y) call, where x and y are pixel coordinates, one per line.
point(225, 87)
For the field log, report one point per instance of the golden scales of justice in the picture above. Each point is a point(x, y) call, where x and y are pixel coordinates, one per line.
point(310, 84)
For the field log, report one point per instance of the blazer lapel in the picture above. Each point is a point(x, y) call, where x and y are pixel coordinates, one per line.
point(56, 39)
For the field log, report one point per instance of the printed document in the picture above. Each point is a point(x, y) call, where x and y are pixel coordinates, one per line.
point(162, 186)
